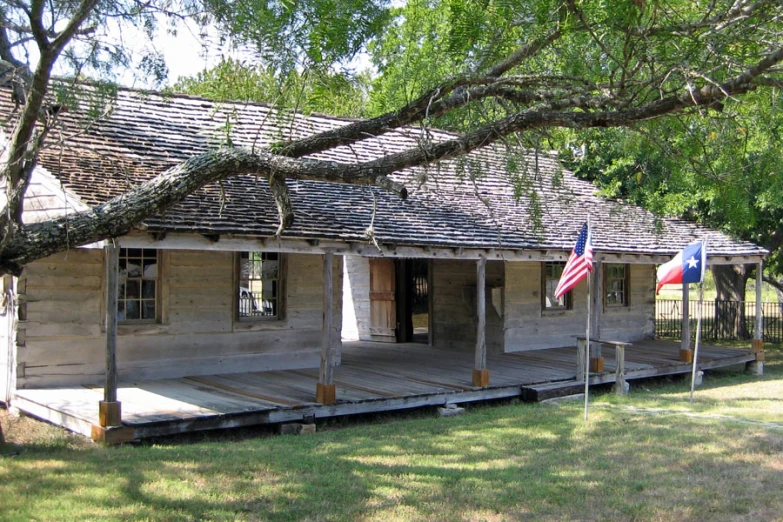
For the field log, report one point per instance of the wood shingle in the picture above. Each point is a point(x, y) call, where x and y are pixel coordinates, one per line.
point(470, 202)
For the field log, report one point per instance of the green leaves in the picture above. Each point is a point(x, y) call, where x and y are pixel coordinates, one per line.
point(314, 90)
point(291, 33)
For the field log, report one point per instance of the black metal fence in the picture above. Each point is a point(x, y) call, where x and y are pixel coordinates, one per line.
point(720, 320)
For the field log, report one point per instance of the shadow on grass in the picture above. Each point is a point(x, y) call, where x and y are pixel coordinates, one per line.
point(512, 462)
point(508, 462)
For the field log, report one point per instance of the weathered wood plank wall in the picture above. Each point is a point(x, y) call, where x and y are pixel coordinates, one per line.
point(636, 321)
point(527, 327)
point(62, 327)
point(454, 317)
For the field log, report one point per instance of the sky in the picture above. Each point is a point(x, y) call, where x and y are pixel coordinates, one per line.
point(186, 54)
point(184, 50)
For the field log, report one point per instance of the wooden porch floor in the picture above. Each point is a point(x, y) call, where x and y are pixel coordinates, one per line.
point(373, 377)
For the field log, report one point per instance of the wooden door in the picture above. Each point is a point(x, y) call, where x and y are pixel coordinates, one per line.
point(383, 308)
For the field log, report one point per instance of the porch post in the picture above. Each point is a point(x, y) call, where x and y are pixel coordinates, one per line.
point(109, 409)
point(596, 309)
point(686, 354)
point(325, 392)
point(757, 366)
point(480, 371)
point(598, 301)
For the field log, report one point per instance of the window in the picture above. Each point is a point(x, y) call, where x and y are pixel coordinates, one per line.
point(259, 285)
point(137, 295)
point(616, 286)
point(550, 276)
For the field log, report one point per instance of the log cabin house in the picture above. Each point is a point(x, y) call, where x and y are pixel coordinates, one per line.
point(466, 265)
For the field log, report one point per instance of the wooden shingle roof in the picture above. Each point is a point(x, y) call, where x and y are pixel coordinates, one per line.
point(470, 202)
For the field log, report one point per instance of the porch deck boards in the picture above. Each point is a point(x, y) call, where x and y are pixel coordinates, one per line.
point(372, 377)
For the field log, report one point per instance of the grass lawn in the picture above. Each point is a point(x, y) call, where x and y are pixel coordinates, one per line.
point(648, 456)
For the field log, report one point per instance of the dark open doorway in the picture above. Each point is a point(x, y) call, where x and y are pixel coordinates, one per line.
point(413, 301)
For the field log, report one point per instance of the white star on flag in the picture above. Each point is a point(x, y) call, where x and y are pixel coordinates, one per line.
point(692, 262)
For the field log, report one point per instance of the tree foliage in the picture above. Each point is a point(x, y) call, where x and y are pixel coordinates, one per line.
point(717, 164)
point(291, 33)
point(521, 71)
point(723, 171)
point(314, 90)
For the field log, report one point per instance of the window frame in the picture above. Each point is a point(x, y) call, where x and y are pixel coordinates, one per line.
point(124, 255)
point(568, 297)
point(279, 289)
point(626, 281)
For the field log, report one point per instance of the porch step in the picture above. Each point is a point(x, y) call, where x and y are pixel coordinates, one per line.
point(552, 390)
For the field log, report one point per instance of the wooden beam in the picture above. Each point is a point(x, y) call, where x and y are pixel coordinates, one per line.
point(480, 372)
point(757, 344)
point(597, 298)
point(110, 410)
point(581, 346)
point(759, 335)
point(619, 372)
point(240, 243)
point(112, 277)
point(325, 392)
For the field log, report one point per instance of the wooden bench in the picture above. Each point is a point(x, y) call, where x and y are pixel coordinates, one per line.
point(597, 360)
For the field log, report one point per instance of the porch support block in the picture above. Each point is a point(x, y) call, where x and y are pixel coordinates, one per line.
point(326, 394)
point(112, 435)
point(109, 413)
point(480, 372)
point(596, 364)
point(481, 378)
point(757, 345)
point(686, 355)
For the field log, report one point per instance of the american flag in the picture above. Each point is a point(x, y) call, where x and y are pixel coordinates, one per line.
point(579, 263)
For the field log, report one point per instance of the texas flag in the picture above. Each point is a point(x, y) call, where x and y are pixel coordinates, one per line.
point(687, 267)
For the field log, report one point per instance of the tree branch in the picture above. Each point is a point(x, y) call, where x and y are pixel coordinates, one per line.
point(120, 214)
point(424, 106)
point(81, 14)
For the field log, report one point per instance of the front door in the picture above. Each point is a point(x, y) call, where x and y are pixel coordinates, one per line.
point(383, 308)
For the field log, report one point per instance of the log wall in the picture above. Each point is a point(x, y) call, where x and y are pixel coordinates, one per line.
point(528, 327)
point(454, 319)
point(61, 334)
point(636, 321)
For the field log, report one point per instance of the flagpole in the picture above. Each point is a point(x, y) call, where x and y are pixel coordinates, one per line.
point(698, 322)
point(587, 333)
point(587, 347)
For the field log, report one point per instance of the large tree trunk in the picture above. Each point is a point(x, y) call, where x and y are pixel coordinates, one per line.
point(730, 283)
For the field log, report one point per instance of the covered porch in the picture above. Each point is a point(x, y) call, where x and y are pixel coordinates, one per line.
point(373, 377)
